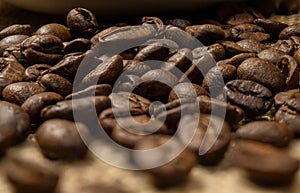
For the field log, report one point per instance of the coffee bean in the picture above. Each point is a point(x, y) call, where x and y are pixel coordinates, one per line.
point(181, 23)
point(56, 83)
point(77, 45)
point(154, 51)
point(249, 31)
point(275, 167)
point(252, 97)
point(34, 72)
point(240, 18)
point(236, 60)
point(30, 176)
point(232, 48)
point(15, 29)
point(15, 125)
point(55, 29)
point(217, 51)
point(290, 117)
point(255, 68)
point(289, 68)
point(20, 91)
point(82, 22)
point(286, 46)
point(12, 40)
point(271, 132)
point(34, 104)
point(95, 90)
point(290, 98)
point(206, 135)
point(181, 60)
point(271, 27)
point(175, 171)
point(60, 139)
point(137, 68)
point(251, 45)
point(187, 91)
point(10, 71)
point(271, 54)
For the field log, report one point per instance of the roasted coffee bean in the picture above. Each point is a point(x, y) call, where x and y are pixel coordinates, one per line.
point(289, 7)
point(207, 135)
point(289, 68)
point(181, 60)
point(252, 97)
point(206, 33)
point(20, 91)
point(82, 22)
point(172, 171)
point(15, 29)
point(232, 48)
point(271, 27)
point(249, 31)
point(240, 18)
point(60, 139)
point(290, 117)
point(130, 130)
point(187, 91)
point(129, 83)
point(34, 104)
point(15, 125)
point(290, 98)
point(34, 72)
point(56, 83)
point(255, 69)
point(181, 37)
point(30, 176)
point(236, 60)
point(77, 45)
point(137, 68)
point(42, 49)
point(9, 41)
point(271, 54)
point(98, 37)
point(105, 72)
point(264, 163)
point(217, 77)
point(217, 51)
point(286, 46)
point(10, 71)
point(154, 51)
point(101, 188)
point(272, 132)
point(251, 45)
point(83, 106)
point(181, 23)
point(55, 29)
point(95, 90)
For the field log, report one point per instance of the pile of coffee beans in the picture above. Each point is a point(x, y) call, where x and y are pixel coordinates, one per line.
point(210, 89)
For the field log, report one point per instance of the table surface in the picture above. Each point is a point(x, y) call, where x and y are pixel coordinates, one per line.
point(220, 179)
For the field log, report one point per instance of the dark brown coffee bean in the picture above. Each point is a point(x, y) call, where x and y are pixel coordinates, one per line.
point(236, 60)
point(180, 37)
point(20, 91)
point(181, 60)
point(286, 46)
point(217, 77)
point(130, 130)
point(77, 45)
point(55, 29)
point(264, 163)
point(232, 48)
point(252, 97)
point(217, 51)
point(175, 171)
point(12, 40)
point(207, 135)
point(42, 49)
point(251, 45)
point(101, 188)
point(271, 27)
point(290, 98)
point(289, 68)
point(240, 18)
point(105, 72)
point(255, 69)
point(129, 83)
point(137, 68)
point(30, 176)
point(86, 106)
point(249, 31)
point(60, 139)
point(56, 83)
point(289, 7)
point(16, 29)
point(206, 33)
point(34, 104)
point(82, 22)
point(95, 90)
point(15, 125)
point(34, 72)
point(290, 117)
point(187, 91)
point(154, 51)
point(10, 71)
point(271, 54)
point(272, 132)
point(181, 23)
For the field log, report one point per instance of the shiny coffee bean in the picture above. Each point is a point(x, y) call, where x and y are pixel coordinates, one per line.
point(275, 166)
point(240, 18)
point(271, 54)
point(30, 176)
point(175, 171)
point(129, 83)
point(60, 139)
point(286, 46)
point(252, 97)
point(255, 69)
point(181, 60)
point(77, 45)
point(249, 31)
point(232, 48)
point(12, 40)
point(34, 104)
point(271, 132)
point(82, 22)
point(56, 83)
point(154, 51)
point(10, 71)
point(55, 29)
point(290, 98)
point(137, 68)
point(236, 60)
point(271, 27)
point(286, 33)
point(14, 125)
point(187, 91)
point(290, 117)
point(251, 45)
point(289, 68)
point(95, 90)
point(217, 51)
point(34, 72)
point(181, 23)
point(207, 134)
point(20, 91)
point(15, 29)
